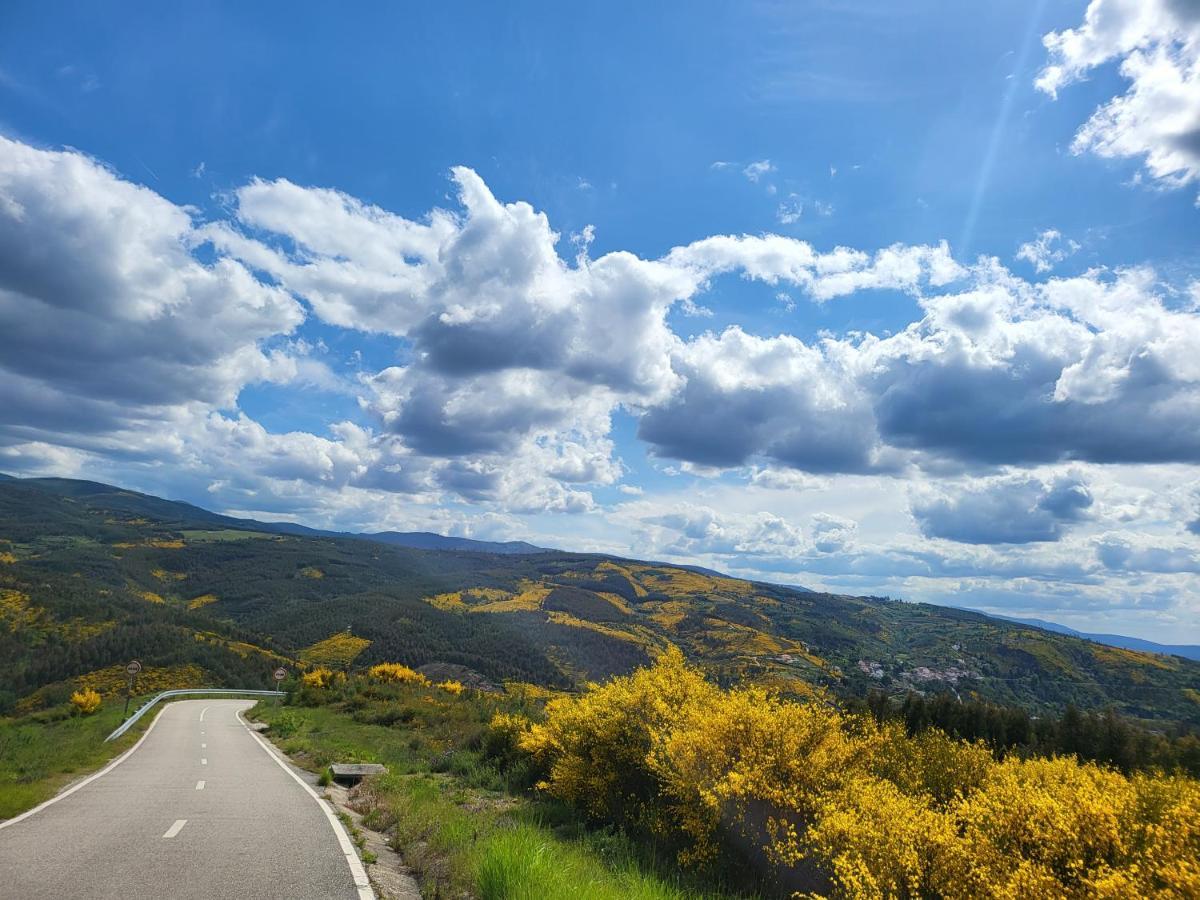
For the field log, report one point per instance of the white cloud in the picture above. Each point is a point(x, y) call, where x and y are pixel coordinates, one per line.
point(106, 314)
point(1157, 119)
point(1047, 250)
point(126, 346)
point(790, 211)
point(756, 170)
point(1009, 510)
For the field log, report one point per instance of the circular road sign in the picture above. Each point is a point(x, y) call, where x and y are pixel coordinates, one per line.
point(134, 667)
point(280, 673)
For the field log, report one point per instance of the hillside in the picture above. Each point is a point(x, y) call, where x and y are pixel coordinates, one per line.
point(1190, 651)
point(92, 575)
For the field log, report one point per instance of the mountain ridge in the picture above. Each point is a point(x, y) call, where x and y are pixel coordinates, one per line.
point(1127, 642)
point(91, 575)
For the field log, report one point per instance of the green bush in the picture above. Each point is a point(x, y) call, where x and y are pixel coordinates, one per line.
point(286, 724)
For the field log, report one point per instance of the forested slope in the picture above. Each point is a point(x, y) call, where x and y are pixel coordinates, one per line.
point(91, 575)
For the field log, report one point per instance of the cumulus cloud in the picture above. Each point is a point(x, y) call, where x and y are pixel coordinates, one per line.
point(1010, 510)
point(129, 329)
point(747, 398)
point(105, 311)
point(1047, 250)
point(1157, 119)
point(1123, 553)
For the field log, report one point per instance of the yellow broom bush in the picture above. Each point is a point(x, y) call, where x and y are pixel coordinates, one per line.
point(875, 812)
point(86, 701)
point(322, 678)
point(396, 672)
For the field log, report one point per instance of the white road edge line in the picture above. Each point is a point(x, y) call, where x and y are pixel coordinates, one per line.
point(176, 828)
point(361, 881)
point(199, 785)
point(73, 788)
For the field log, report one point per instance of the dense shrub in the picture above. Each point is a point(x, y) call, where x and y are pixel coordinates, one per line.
point(86, 701)
point(875, 811)
point(396, 672)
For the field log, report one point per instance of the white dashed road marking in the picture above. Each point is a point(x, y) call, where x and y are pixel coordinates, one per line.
point(199, 785)
point(202, 712)
point(176, 828)
point(204, 762)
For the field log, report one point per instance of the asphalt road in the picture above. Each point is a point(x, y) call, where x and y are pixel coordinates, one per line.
point(200, 809)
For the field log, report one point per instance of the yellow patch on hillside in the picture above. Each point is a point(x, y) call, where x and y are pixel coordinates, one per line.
point(1119, 656)
point(485, 594)
point(6, 557)
point(77, 630)
point(113, 681)
point(337, 650)
point(626, 571)
point(166, 544)
point(562, 618)
point(202, 601)
point(491, 600)
point(684, 583)
point(151, 597)
point(734, 638)
point(1192, 694)
point(530, 598)
point(312, 572)
point(451, 602)
point(241, 648)
point(164, 575)
point(670, 613)
point(17, 613)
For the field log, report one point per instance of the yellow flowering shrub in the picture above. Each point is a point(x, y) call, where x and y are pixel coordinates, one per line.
point(451, 687)
point(322, 678)
point(865, 809)
point(86, 701)
point(931, 764)
point(874, 841)
point(595, 747)
point(397, 672)
point(727, 749)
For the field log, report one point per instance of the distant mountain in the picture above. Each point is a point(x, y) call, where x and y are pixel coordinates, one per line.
point(168, 511)
point(1187, 651)
point(93, 575)
point(426, 540)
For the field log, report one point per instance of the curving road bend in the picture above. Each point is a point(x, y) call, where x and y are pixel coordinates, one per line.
point(200, 809)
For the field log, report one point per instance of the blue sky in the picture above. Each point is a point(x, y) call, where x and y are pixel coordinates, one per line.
point(945, 349)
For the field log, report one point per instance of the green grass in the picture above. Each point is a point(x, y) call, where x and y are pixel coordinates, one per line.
point(43, 752)
point(464, 827)
point(525, 863)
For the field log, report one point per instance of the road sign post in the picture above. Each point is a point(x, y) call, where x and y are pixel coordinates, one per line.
point(279, 674)
point(133, 668)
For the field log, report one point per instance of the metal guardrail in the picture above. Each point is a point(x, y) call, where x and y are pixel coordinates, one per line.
point(128, 723)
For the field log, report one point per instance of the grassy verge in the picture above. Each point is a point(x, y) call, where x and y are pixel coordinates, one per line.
point(43, 752)
point(464, 826)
